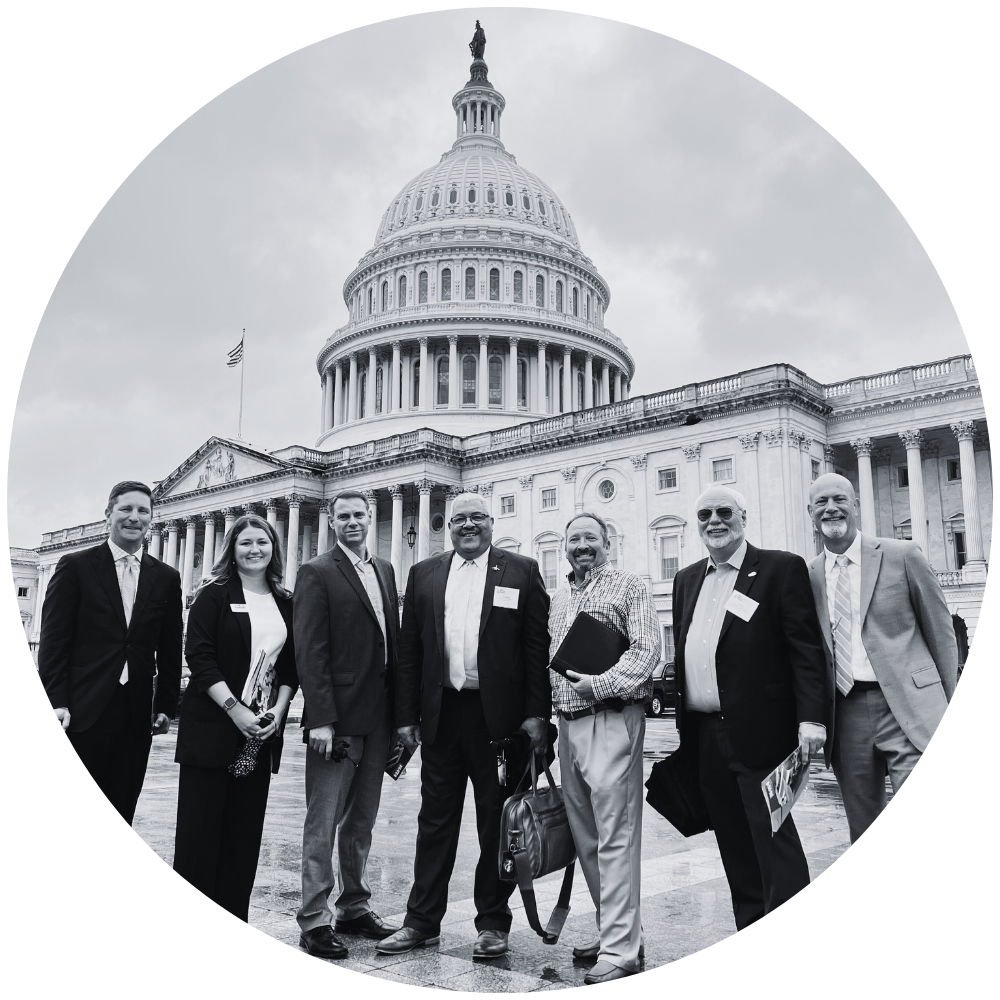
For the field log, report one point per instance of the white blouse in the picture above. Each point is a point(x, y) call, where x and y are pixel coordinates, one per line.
point(267, 637)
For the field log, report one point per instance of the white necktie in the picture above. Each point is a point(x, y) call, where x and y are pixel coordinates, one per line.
point(456, 666)
point(128, 602)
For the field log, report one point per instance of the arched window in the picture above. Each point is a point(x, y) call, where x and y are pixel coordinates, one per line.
point(541, 207)
point(576, 303)
point(420, 202)
point(509, 198)
point(402, 292)
point(522, 383)
point(526, 201)
point(385, 295)
point(614, 557)
point(435, 198)
point(472, 196)
point(371, 295)
point(491, 196)
point(442, 395)
point(416, 384)
point(422, 287)
point(378, 390)
point(469, 366)
point(579, 390)
point(496, 381)
point(446, 285)
point(588, 307)
point(559, 297)
point(539, 291)
point(362, 393)
point(453, 196)
point(470, 283)
point(494, 284)
point(518, 286)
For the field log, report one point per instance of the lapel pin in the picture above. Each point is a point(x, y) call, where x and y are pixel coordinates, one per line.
point(496, 569)
point(754, 573)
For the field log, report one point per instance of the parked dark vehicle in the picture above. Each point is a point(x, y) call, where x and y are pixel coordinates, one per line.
point(664, 689)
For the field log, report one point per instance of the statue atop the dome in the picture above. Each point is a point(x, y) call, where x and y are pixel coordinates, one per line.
point(478, 44)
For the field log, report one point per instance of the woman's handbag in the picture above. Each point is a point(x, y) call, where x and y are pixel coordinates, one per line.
point(535, 840)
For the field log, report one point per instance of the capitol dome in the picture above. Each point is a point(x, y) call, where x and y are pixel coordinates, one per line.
point(476, 277)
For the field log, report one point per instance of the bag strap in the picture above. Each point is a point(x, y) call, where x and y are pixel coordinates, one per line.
point(550, 934)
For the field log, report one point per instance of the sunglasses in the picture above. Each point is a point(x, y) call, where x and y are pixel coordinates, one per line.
point(459, 519)
point(724, 512)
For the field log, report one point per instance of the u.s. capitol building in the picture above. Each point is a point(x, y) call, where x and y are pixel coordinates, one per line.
point(476, 357)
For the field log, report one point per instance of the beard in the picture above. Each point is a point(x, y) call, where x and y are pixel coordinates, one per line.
point(833, 529)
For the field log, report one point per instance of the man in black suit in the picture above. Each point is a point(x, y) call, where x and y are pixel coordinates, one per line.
point(750, 686)
point(345, 617)
point(111, 623)
point(473, 659)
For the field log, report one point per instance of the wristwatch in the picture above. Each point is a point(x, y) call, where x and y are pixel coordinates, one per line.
point(230, 702)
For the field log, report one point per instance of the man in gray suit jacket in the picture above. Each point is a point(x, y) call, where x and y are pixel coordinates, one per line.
point(891, 653)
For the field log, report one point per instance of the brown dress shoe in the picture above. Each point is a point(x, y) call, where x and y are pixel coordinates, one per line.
point(369, 925)
point(490, 944)
point(405, 939)
point(322, 942)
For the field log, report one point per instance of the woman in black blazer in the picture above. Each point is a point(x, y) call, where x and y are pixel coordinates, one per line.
point(241, 613)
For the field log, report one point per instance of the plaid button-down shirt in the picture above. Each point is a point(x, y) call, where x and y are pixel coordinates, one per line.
point(622, 602)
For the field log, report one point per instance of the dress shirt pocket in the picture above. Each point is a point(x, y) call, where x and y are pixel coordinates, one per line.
point(778, 692)
point(926, 676)
point(342, 678)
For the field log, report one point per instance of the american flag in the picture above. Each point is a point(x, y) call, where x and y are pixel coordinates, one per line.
point(236, 354)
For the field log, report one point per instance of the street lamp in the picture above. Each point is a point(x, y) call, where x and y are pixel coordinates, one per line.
point(411, 535)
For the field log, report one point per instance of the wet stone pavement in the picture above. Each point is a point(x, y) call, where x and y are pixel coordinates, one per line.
point(685, 898)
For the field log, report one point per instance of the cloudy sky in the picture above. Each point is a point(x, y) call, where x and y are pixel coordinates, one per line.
point(732, 230)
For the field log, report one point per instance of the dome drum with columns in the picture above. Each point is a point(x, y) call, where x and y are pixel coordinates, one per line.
point(475, 308)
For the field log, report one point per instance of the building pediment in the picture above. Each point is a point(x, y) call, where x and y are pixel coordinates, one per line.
point(216, 463)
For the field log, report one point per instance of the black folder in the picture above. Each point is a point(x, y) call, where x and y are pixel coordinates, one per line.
point(590, 647)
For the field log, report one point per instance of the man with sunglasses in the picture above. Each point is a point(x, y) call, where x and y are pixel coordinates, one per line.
point(750, 686)
point(473, 667)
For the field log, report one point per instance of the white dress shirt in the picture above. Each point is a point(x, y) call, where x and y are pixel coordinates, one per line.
point(463, 612)
point(366, 571)
point(268, 633)
point(700, 680)
point(860, 664)
point(122, 558)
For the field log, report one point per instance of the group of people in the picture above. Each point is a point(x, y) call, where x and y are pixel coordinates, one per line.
point(853, 655)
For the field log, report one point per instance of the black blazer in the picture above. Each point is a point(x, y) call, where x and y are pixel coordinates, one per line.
point(346, 676)
point(513, 646)
point(84, 640)
point(218, 649)
point(770, 669)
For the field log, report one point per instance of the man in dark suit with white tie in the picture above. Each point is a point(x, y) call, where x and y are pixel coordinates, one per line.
point(473, 667)
point(345, 615)
point(111, 623)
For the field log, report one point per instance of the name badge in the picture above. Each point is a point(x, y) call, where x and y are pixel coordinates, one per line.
point(238, 608)
point(506, 597)
point(742, 606)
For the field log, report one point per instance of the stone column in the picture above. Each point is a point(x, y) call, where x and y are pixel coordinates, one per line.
point(863, 448)
point(828, 457)
point(588, 382)
point(618, 385)
point(513, 373)
point(208, 552)
point(974, 570)
point(292, 555)
point(396, 402)
point(338, 394)
point(567, 380)
point(454, 375)
point(329, 393)
point(605, 384)
point(372, 540)
point(323, 529)
point(424, 487)
point(396, 549)
point(426, 381)
point(271, 507)
point(449, 500)
point(322, 404)
point(307, 538)
point(913, 439)
point(155, 543)
point(171, 557)
point(191, 530)
point(541, 407)
point(370, 383)
point(220, 536)
point(352, 390)
point(483, 386)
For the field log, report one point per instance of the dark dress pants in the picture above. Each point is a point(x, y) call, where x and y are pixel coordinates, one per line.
point(763, 870)
point(461, 751)
point(220, 821)
point(105, 768)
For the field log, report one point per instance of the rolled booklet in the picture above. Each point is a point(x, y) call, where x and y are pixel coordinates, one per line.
point(590, 647)
point(397, 760)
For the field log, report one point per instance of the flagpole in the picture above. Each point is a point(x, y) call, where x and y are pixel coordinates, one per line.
point(239, 432)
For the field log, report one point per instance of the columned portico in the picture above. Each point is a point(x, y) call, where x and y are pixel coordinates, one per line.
point(372, 540)
point(866, 489)
point(912, 440)
point(483, 382)
point(338, 394)
point(512, 405)
point(454, 375)
point(394, 376)
point(605, 384)
point(352, 390)
point(155, 546)
point(424, 487)
point(567, 382)
point(975, 566)
point(396, 547)
point(588, 382)
point(271, 515)
point(541, 405)
point(426, 378)
point(171, 557)
point(292, 555)
point(190, 534)
point(208, 550)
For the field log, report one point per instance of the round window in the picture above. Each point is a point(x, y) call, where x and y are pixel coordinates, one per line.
point(509, 198)
point(606, 489)
point(437, 522)
point(434, 199)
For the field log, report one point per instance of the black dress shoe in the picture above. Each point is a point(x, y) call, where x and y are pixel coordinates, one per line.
point(369, 925)
point(323, 943)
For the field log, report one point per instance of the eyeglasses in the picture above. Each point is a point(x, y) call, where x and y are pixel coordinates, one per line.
point(459, 519)
point(724, 512)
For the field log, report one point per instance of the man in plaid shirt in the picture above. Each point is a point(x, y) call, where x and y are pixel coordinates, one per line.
point(602, 722)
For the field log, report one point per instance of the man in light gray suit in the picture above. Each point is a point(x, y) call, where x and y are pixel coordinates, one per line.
point(891, 652)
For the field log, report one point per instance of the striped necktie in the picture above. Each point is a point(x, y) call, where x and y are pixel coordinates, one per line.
point(843, 628)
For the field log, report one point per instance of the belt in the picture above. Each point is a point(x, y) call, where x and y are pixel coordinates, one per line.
point(609, 705)
point(866, 686)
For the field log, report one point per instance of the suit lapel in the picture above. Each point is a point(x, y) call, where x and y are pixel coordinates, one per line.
point(438, 585)
point(108, 576)
point(691, 597)
point(745, 580)
point(817, 576)
point(346, 567)
point(871, 561)
point(495, 566)
point(235, 595)
point(147, 575)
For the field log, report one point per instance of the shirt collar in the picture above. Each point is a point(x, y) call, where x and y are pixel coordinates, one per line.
point(735, 560)
point(853, 553)
point(119, 553)
point(592, 575)
point(481, 560)
point(356, 560)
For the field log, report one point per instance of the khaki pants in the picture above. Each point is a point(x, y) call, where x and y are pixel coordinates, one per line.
point(600, 763)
